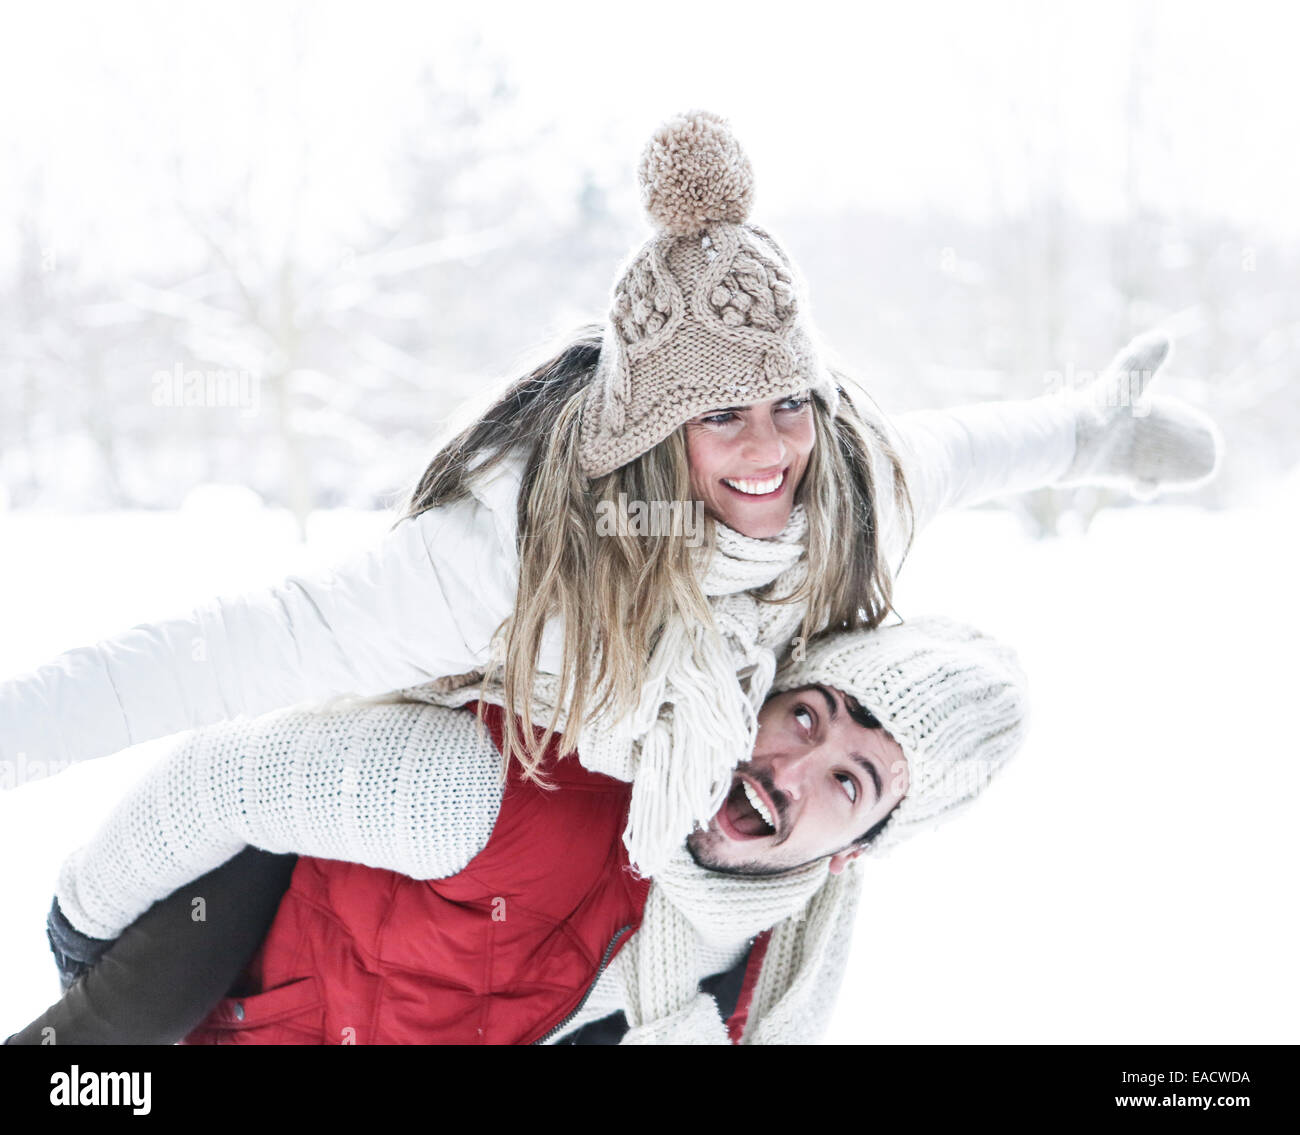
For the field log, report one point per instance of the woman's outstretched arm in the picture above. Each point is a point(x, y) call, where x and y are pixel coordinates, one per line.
point(1111, 432)
point(422, 604)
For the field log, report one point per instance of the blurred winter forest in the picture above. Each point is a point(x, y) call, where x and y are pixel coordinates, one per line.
point(272, 330)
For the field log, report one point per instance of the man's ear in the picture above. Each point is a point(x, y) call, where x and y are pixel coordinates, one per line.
point(842, 859)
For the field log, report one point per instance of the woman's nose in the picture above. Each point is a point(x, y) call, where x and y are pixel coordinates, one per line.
point(763, 443)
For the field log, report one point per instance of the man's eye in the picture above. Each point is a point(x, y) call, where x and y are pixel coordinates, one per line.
point(850, 786)
point(806, 713)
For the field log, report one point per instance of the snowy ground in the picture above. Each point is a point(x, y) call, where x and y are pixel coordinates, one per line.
point(1131, 878)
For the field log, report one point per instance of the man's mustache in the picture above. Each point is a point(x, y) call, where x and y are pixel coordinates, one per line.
point(780, 801)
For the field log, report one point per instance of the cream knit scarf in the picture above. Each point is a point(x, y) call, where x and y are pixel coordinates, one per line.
point(697, 717)
point(696, 720)
point(689, 907)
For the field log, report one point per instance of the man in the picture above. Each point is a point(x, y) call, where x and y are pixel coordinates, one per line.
point(528, 925)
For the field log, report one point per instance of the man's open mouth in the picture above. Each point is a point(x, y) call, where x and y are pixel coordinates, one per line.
point(746, 815)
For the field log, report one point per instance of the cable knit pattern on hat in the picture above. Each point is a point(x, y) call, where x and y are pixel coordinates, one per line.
point(708, 313)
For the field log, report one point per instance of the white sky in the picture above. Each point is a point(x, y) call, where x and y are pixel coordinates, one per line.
point(935, 104)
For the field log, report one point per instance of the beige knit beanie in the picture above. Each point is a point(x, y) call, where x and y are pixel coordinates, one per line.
point(708, 313)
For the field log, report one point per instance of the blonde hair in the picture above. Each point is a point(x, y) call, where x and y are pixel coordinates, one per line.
point(616, 592)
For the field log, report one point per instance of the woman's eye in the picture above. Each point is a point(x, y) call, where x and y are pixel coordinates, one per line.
point(718, 419)
point(850, 786)
point(806, 713)
point(796, 403)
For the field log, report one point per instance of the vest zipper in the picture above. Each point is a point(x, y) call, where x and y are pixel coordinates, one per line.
point(609, 950)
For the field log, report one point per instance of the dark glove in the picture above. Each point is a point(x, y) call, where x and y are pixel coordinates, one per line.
point(74, 952)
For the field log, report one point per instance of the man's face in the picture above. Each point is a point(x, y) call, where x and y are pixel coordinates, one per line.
point(823, 780)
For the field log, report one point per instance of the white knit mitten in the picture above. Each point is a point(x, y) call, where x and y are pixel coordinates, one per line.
point(1133, 440)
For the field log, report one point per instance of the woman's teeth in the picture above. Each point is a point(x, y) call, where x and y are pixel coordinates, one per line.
point(757, 488)
point(758, 805)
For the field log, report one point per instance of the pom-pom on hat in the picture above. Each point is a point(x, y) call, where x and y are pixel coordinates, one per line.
point(693, 174)
point(708, 313)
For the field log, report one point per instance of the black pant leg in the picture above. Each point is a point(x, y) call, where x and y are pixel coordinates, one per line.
point(171, 966)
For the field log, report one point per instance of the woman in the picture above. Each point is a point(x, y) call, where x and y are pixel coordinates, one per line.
point(648, 654)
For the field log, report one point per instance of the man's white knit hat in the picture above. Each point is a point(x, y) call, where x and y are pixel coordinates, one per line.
point(955, 701)
point(708, 313)
point(951, 696)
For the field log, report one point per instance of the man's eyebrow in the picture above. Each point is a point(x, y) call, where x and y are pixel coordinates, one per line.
point(871, 771)
point(857, 758)
point(832, 707)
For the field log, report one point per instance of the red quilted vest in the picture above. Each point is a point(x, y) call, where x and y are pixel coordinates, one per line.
point(504, 952)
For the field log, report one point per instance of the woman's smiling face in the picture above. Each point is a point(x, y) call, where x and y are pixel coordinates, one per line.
point(748, 461)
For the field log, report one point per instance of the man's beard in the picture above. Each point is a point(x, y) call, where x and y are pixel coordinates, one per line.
point(749, 869)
